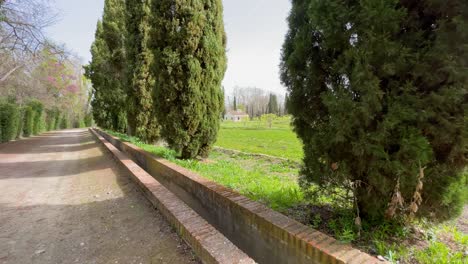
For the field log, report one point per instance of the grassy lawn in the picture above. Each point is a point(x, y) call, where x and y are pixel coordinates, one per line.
point(274, 183)
point(257, 137)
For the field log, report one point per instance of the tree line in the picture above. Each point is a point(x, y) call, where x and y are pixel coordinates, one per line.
point(377, 91)
point(42, 87)
point(257, 102)
point(156, 70)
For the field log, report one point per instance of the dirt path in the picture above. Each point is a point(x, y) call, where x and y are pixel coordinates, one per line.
point(63, 201)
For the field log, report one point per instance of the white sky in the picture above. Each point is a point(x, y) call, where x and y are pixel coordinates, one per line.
point(255, 31)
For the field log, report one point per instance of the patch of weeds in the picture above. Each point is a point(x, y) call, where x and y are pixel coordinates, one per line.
point(438, 252)
point(316, 221)
point(344, 228)
point(393, 252)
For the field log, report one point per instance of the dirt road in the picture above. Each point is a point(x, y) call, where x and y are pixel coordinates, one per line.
point(62, 200)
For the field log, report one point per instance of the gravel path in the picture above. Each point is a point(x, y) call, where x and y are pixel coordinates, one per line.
point(63, 201)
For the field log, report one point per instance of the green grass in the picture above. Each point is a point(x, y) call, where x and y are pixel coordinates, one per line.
point(271, 183)
point(257, 137)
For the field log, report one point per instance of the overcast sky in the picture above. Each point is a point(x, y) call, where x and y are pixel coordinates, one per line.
point(255, 30)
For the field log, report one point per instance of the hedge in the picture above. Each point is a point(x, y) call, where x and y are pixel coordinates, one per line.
point(9, 113)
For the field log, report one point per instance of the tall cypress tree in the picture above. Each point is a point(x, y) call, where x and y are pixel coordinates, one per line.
point(189, 48)
point(273, 104)
point(142, 120)
point(378, 91)
point(107, 68)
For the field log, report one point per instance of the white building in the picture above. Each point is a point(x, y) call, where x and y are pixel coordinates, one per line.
point(235, 115)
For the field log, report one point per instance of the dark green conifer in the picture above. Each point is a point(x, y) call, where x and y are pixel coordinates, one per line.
point(189, 49)
point(107, 68)
point(142, 120)
point(378, 91)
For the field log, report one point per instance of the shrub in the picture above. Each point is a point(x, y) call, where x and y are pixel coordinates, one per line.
point(20, 122)
point(38, 109)
point(378, 94)
point(57, 120)
point(64, 122)
point(88, 120)
point(28, 121)
point(9, 113)
point(51, 119)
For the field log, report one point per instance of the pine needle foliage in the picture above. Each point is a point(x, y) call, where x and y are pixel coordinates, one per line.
point(378, 91)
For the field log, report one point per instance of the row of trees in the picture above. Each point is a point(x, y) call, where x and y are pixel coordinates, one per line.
point(156, 69)
point(378, 94)
point(257, 102)
point(18, 121)
point(39, 81)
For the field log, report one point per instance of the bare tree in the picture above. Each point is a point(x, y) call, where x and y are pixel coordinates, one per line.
point(22, 25)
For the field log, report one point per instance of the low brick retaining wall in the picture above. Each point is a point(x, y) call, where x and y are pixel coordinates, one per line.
point(207, 242)
point(265, 235)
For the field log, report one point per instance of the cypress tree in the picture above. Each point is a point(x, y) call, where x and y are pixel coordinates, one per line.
point(190, 61)
point(273, 105)
point(142, 120)
point(234, 105)
point(107, 68)
point(378, 92)
point(286, 103)
point(9, 113)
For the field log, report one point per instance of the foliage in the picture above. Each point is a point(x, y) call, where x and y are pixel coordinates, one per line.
point(438, 252)
point(28, 121)
point(378, 91)
point(88, 120)
point(38, 109)
point(189, 47)
point(9, 114)
point(142, 120)
point(107, 68)
point(52, 115)
point(273, 105)
point(19, 122)
point(64, 122)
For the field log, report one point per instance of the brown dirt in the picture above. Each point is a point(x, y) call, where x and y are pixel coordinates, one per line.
point(63, 201)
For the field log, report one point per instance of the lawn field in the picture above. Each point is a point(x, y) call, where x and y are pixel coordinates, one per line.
point(257, 137)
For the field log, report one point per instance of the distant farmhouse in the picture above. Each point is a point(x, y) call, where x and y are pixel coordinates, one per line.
point(235, 115)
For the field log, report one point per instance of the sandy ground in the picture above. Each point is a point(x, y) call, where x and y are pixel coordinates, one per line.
point(63, 201)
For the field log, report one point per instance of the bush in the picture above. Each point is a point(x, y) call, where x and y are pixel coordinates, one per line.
point(9, 113)
point(88, 120)
point(20, 122)
point(64, 122)
point(28, 121)
point(57, 120)
point(51, 119)
point(38, 121)
point(378, 94)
